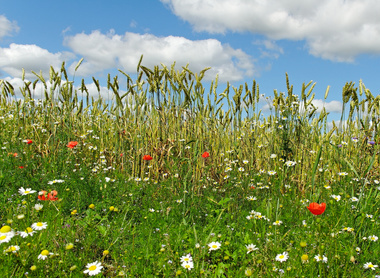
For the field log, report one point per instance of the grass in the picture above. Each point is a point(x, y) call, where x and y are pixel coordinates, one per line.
point(182, 214)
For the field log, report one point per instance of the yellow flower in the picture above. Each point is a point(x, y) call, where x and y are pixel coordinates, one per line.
point(106, 252)
point(5, 229)
point(33, 268)
point(74, 212)
point(69, 246)
point(92, 206)
point(112, 208)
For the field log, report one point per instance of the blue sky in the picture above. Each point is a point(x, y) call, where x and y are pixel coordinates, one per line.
point(328, 41)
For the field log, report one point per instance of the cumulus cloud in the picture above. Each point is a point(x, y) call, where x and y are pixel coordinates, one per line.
point(30, 57)
point(336, 30)
point(105, 51)
point(7, 27)
point(332, 106)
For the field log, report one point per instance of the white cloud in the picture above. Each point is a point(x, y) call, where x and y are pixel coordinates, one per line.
point(106, 51)
point(333, 29)
point(333, 106)
point(30, 57)
point(7, 27)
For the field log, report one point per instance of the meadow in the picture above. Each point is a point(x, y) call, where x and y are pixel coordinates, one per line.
point(169, 178)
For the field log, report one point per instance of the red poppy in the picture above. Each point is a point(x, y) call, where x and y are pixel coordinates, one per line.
point(50, 196)
point(205, 155)
point(21, 167)
point(28, 141)
point(147, 157)
point(316, 208)
point(72, 144)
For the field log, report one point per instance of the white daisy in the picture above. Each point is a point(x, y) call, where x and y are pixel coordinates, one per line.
point(6, 237)
point(12, 248)
point(38, 207)
point(186, 258)
point(251, 248)
point(214, 246)
point(27, 191)
point(282, 257)
point(188, 265)
point(319, 258)
point(39, 226)
point(373, 238)
point(370, 265)
point(93, 268)
point(44, 254)
point(28, 232)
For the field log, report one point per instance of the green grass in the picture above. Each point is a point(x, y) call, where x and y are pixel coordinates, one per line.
point(146, 215)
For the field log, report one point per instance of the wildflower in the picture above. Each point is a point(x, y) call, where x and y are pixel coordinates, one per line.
point(354, 139)
point(290, 163)
point(304, 258)
point(92, 206)
point(188, 265)
point(336, 197)
point(205, 155)
point(214, 246)
point(38, 207)
point(50, 196)
point(317, 209)
point(28, 232)
point(147, 157)
point(354, 199)
point(282, 257)
point(373, 238)
point(248, 272)
point(251, 198)
point(6, 237)
point(69, 246)
point(348, 229)
point(245, 161)
point(39, 226)
point(251, 248)
point(27, 191)
point(33, 268)
point(277, 223)
point(241, 169)
point(93, 268)
point(6, 229)
point(74, 212)
point(271, 173)
point(186, 258)
point(273, 155)
point(72, 144)
point(342, 174)
point(106, 252)
point(44, 254)
point(151, 210)
point(319, 258)
point(28, 141)
point(370, 265)
point(12, 248)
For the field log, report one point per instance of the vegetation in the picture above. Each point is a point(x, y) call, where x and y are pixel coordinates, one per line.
point(164, 181)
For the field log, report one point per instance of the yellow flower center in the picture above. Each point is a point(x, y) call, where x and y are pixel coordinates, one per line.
point(45, 253)
point(370, 265)
point(27, 191)
point(281, 257)
point(3, 237)
point(5, 229)
point(92, 268)
point(215, 246)
point(39, 224)
point(13, 248)
point(29, 230)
